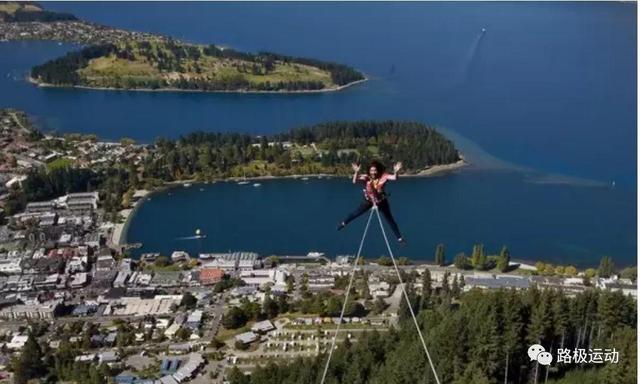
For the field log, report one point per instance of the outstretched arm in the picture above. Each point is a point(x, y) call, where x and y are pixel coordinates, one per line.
point(356, 169)
point(396, 168)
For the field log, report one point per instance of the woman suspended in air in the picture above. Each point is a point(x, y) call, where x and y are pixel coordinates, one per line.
point(374, 182)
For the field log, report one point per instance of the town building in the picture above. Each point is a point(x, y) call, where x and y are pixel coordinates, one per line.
point(496, 282)
point(17, 342)
point(31, 311)
point(243, 261)
point(626, 286)
point(247, 337)
point(210, 275)
point(136, 306)
point(260, 277)
point(262, 327)
point(81, 202)
point(194, 320)
point(10, 266)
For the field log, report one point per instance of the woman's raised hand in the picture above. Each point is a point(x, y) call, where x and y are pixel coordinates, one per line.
point(355, 166)
point(397, 167)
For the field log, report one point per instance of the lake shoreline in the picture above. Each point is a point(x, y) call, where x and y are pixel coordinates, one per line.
point(119, 235)
point(120, 232)
point(436, 170)
point(433, 171)
point(40, 84)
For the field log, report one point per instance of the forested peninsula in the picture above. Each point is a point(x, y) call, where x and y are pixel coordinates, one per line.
point(327, 148)
point(81, 163)
point(171, 64)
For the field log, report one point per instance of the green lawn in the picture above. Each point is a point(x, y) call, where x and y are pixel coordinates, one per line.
point(61, 162)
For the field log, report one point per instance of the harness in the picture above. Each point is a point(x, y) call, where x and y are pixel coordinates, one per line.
point(374, 189)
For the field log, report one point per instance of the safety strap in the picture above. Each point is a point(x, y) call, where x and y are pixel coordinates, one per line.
point(344, 305)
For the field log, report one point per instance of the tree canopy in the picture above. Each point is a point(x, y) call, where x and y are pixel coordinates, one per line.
point(481, 339)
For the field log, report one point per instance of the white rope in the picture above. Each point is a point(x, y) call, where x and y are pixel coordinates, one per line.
point(346, 298)
point(415, 321)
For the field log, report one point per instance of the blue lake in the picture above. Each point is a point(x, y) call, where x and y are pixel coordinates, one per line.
point(559, 223)
point(547, 93)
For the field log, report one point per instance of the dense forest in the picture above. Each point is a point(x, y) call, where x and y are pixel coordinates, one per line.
point(63, 70)
point(481, 338)
point(413, 143)
point(148, 65)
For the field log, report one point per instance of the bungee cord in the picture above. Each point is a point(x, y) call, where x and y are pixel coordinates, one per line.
point(344, 305)
point(406, 296)
point(404, 291)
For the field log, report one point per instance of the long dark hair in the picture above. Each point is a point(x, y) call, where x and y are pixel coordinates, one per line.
point(379, 167)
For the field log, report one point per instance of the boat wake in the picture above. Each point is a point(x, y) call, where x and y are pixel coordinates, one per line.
point(192, 237)
point(471, 57)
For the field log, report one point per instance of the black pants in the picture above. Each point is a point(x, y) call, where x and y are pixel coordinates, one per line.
point(383, 206)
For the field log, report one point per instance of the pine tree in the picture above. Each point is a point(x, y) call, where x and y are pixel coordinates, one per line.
point(237, 377)
point(487, 347)
point(445, 284)
point(473, 374)
point(404, 311)
point(512, 328)
point(270, 307)
point(503, 259)
point(461, 261)
point(609, 313)
point(478, 258)
point(606, 268)
point(426, 288)
point(29, 365)
point(455, 287)
point(439, 257)
point(625, 340)
point(560, 308)
point(475, 256)
point(541, 323)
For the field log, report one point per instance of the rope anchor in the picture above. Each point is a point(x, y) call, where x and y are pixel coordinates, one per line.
point(406, 296)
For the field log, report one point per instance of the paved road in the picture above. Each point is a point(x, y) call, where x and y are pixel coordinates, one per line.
point(214, 313)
